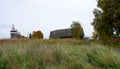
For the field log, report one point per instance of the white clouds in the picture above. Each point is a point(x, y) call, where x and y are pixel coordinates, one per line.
point(46, 15)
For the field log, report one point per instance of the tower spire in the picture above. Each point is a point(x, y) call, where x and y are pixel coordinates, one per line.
point(13, 28)
point(12, 25)
point(14, 33)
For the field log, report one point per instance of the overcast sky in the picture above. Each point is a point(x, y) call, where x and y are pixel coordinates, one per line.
point(45, 15)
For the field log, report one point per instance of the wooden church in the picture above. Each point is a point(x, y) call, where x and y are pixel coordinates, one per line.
point(62, 34)
point(14, 33)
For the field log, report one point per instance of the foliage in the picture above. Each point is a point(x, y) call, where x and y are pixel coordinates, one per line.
point(56, 54)
point(37, 35)
point(30, 36)
point(21, 37)
point(107, 19)
point(77, 30)
point(95, 35)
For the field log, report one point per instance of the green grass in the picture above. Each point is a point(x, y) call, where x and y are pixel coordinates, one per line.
point(56, 54)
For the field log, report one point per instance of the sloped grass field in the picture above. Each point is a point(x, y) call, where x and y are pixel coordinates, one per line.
point(56, 54)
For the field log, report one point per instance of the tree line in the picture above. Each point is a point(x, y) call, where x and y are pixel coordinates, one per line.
point(76, 30)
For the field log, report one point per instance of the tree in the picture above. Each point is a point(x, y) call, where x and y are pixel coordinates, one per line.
point(77, 30)
point(107, 19)
point(37, 35)
point(95, 35)
point(30, 36)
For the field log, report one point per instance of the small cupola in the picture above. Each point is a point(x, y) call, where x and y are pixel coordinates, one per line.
point(13, 29)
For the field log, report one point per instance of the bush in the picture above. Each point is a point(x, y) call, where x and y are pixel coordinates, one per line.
point(37, 35)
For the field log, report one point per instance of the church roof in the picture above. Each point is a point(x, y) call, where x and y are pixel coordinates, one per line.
point(13, 29)
point(60, 33)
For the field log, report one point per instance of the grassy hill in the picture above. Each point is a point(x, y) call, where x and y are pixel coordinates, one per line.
point(56, 54)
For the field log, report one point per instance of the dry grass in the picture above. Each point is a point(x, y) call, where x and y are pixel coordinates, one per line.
point(56, 54)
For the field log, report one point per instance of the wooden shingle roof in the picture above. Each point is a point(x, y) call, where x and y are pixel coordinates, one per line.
point(62, 33)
